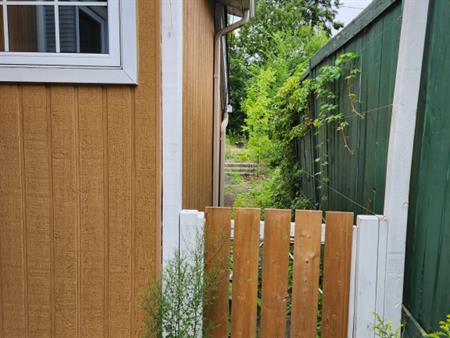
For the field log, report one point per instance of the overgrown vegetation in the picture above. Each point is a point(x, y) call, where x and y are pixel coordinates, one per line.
point(278, 23)
point(267, 61)
point(278, 117)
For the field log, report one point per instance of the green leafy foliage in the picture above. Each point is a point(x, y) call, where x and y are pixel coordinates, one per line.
point(444, 332)
point(173, 305)
point(283, 29)
point(384, 329)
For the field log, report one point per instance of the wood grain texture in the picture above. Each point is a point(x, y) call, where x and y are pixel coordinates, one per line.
point(92, 204)
point(198, 103)
point(12, 258)
point(80, 201)
point(217, 254)
point(38, 213)
point(277, 226)
point(245, 273)
point(147, 158)
point(337, 264)
point(65, 209)
point(308, 228)
point(120, 225)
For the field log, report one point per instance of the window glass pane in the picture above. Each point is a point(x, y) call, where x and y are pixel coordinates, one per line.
point(2, 36)
point(31, 28)
point(83, 29)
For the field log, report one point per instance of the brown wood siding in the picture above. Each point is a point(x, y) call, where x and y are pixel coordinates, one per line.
point(198, 103)
point(80, 201)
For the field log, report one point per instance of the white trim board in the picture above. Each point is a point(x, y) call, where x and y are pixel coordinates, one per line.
point(401, 142)
point(172, 123)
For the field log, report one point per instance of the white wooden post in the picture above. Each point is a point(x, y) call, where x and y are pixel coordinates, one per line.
point(191, 231)
point(401, 140)
point(366, 260)
point(172, 122)
point(191, 226)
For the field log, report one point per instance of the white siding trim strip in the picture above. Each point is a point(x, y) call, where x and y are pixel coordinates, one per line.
point(172, 123)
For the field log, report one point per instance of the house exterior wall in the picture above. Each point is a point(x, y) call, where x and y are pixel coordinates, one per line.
point(198, 103)
point(80, 200)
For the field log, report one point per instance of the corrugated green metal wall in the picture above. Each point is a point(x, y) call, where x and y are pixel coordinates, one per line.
point(357, 181)
point(358, 176)
point(427, 287)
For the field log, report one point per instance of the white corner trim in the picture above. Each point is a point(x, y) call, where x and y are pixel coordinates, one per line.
point(172, 122)
point(400, 151)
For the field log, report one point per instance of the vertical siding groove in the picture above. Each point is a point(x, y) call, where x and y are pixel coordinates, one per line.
point(2, 319)
point(81, 209)
point(77, 156)
point(132, 206)
point(24, 218)
point(106, 207)
point(51, 210)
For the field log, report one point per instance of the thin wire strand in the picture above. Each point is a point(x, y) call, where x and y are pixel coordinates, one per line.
point(342, 195)
point(377, 109)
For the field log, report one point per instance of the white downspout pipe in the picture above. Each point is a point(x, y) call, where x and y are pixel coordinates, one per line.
point(217, 112)
point(223, 134)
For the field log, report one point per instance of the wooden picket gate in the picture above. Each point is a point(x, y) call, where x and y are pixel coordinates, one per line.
point(275, 259)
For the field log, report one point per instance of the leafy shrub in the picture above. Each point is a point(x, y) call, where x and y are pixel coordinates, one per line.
point(445, 329)
point(384, 329)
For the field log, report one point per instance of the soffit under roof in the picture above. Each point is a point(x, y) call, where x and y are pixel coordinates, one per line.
point(237, 7)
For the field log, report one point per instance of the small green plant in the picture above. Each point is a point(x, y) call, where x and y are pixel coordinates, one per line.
point(445, 330)
point(384, 328)
point(173, 305)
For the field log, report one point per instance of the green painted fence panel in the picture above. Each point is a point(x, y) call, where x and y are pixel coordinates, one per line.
point(427, 282)
point(357, 177)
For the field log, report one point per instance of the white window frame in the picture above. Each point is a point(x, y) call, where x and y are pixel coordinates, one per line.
point(119, 66)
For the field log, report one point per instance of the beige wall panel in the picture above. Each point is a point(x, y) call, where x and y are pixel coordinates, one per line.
point(92, 212)
point(198, 103)
point(120, 225)
point(147, 144)
point(38, 216)
point(80, 206)
point(12, 249)
point(65, 164)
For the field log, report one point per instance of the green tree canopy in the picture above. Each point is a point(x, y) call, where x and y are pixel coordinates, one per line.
point(281, 30)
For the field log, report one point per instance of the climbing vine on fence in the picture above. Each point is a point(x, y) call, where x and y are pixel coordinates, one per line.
point(293, 121)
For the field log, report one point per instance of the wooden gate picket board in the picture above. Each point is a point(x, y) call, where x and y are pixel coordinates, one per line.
point(336, 281)
point(275, 272)
point(217, 251)
point(275, 261)
point(308, 231)
point(245, 273)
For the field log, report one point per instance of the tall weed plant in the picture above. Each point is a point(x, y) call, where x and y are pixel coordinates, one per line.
point(173, 305)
